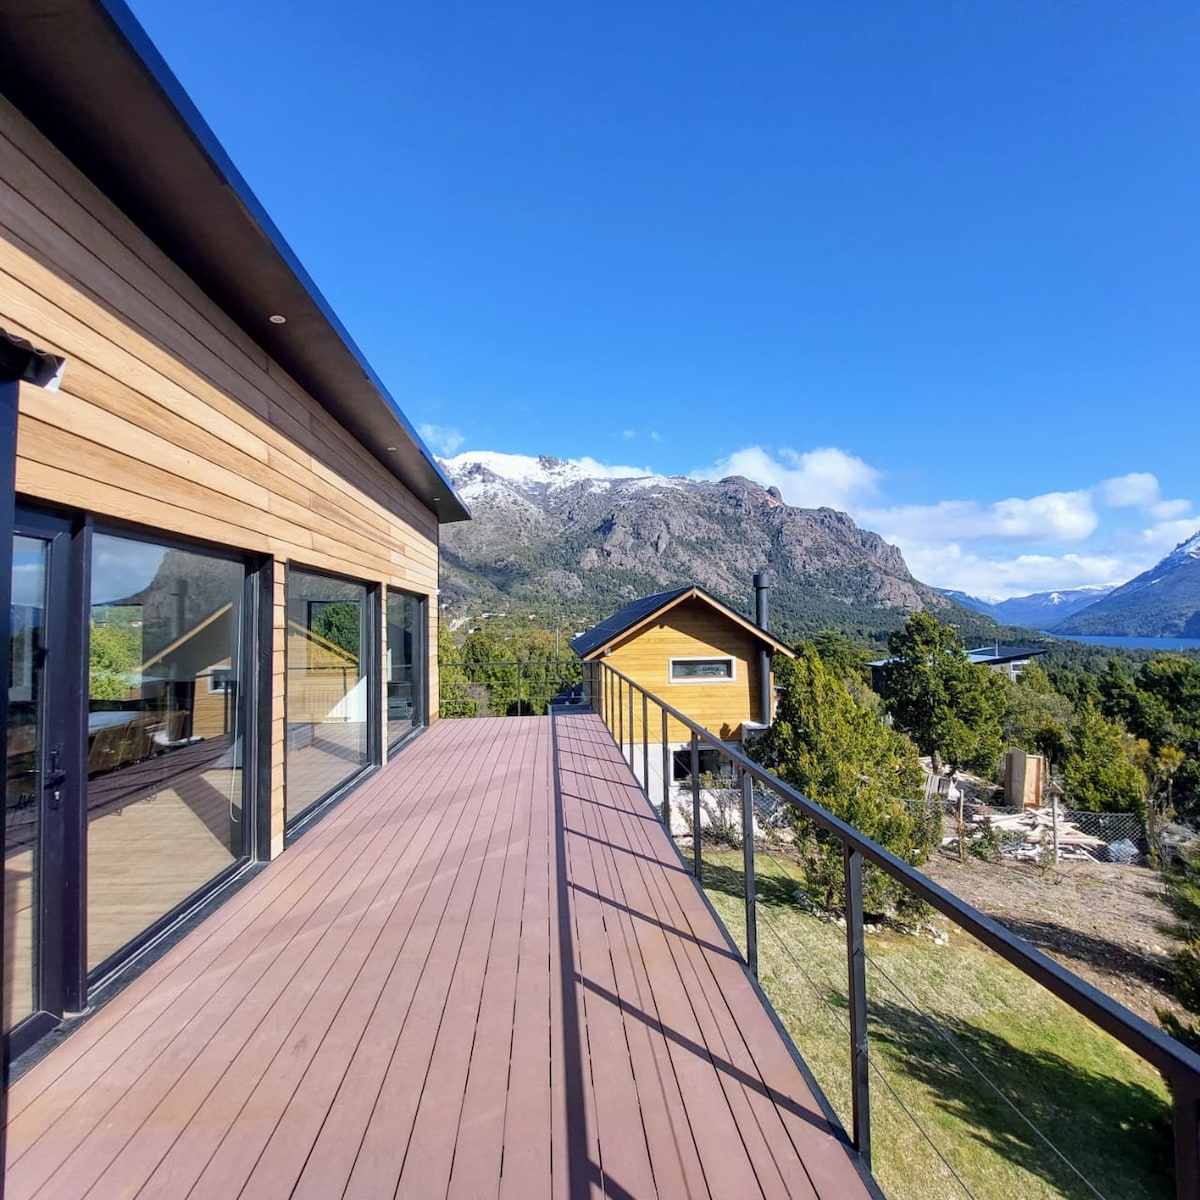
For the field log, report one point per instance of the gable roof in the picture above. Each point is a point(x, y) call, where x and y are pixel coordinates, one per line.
point(86, 74)
point(638, 613)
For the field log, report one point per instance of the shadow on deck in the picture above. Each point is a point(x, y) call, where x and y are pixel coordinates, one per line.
point(484, 974)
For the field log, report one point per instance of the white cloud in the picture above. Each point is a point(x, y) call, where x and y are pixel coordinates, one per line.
point(441, 439)
point(826, 477)
point(1052, 517)
point(1167, 510)
point(599, 470)
point(627, 434)
point(1136, 490)
point(998, 548)
point(950, 566)
point(655, 436)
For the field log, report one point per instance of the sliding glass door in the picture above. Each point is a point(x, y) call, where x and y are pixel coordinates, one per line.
point(332, 706)
point(405, 664)
point(164, 732)
point(126, 793)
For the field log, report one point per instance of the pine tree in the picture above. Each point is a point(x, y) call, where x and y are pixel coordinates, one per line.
point(951, 707)
point(839, 754)
point(1097, 773)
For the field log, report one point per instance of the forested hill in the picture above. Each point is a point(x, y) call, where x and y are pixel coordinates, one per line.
point(548, 537)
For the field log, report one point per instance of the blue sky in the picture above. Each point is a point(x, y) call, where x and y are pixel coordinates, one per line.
point(936, 264)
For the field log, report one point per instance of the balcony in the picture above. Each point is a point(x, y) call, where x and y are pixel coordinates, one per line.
point(486, 973)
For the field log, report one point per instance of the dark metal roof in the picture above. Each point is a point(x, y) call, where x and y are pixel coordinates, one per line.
point(624, 618)
point(85, 73)
point(986, 655)
point(637, 611)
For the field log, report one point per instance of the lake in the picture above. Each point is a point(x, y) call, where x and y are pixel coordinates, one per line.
point(1133, 643)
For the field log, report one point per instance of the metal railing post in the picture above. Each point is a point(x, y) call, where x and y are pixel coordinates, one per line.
point(632, 735)
point(645, 746)
point(1187, 1139)
point(697, 857)
point(856, 966)
point(666, 788)
point(748, 870)
point(518, 712)
point(620, 730)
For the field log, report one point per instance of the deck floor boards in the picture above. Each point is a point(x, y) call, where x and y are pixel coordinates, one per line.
point(484, 974)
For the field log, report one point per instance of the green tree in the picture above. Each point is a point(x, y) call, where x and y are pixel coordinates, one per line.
point(114, 653)
point(951, 707)
point(839, 754)
point(454, 699)
point(1097, 773)
point(338, 623)
point(1036, 716)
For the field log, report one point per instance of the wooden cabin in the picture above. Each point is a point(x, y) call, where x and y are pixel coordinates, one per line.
point(225, 547)
point(698, 656)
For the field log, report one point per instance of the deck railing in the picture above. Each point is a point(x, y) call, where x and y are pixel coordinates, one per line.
point(644, 727)
point(507, 687)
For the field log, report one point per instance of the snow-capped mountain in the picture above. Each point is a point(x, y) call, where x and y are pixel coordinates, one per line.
point(1038, 610)
point(1161, 602)
point(559, 536)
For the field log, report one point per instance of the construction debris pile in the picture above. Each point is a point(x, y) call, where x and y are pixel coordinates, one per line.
point(1031, 833)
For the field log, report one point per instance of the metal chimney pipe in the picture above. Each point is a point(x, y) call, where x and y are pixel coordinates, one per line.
point(763, 582)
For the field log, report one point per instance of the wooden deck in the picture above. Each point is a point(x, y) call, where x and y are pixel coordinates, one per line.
point(484, 974)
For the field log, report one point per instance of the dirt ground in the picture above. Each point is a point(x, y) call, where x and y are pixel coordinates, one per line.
point(1105, 921)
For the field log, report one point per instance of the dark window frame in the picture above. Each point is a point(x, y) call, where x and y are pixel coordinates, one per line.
point(371, 636)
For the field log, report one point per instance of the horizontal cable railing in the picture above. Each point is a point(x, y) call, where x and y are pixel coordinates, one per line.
point(509, 687)
point(893, 994)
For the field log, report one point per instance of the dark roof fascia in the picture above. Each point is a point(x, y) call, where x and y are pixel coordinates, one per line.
point(638, 612)
point(87, 75)
point(983, 657)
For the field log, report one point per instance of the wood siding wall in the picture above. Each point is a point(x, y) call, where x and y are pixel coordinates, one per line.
point(692, 630)
point(172, 417)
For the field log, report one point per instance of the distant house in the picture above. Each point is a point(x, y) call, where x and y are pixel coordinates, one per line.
point(696, 654)
point(1009, 660)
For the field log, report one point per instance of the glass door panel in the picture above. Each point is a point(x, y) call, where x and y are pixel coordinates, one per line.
point(23, 793)
point(164, 735)
point(328, 695)
point(405, 664)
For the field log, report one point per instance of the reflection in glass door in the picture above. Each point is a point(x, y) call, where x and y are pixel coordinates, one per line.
point(22, 799)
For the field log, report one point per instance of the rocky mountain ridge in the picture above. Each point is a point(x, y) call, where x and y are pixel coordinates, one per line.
point(1161, 602)
point(550, 535)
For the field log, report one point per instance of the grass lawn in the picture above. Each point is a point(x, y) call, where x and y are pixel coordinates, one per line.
point(938, 1016)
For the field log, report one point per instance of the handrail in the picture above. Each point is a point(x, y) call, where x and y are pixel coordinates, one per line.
point(1176, 1062)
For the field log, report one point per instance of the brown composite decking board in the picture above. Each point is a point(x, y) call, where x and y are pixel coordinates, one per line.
point(484, 974)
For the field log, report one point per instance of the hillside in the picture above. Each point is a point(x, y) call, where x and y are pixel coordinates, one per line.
point(549, 537)
point(1161, 602)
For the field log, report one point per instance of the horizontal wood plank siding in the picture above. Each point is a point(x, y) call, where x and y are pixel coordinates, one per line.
point(692, 630)
point(171, 417)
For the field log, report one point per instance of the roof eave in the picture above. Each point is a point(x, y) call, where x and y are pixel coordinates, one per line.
point(87, 75)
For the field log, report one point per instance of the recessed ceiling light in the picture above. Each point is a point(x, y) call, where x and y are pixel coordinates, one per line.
point(276, 319)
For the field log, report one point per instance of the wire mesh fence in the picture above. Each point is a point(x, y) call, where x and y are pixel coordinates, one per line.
point(1045, 834)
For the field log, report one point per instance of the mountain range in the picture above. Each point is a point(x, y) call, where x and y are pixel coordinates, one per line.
point(1161, 602)
point(1039, 610)
point(549, 536)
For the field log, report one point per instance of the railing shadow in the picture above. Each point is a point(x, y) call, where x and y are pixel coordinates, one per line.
point(1101, 1124)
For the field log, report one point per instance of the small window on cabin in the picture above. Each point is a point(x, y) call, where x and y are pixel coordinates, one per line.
point(687, 670)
